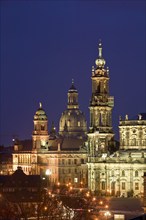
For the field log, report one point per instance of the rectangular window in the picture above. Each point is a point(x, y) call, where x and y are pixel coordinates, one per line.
point(123, 186)
point(69, 161)
point(82, 161)
point(63, 161)
point(75, 161)
point(75, 180)
point(63, 170)
point(103, 185)
point(136, 186)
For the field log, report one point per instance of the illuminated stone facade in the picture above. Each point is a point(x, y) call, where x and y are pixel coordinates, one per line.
point(144, 199)
point(60, 158)
point(76, 156)
point(119, 173)
point(133, 133)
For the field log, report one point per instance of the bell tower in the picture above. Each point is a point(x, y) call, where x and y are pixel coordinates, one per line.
point(101, 105)
point(40, 134)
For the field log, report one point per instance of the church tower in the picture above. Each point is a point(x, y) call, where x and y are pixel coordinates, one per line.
point(40, 134)
point(100, 131)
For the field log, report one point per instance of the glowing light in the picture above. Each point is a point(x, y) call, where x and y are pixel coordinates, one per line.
point(45, 208)
point(48, 172)
point(101, 202)
point(87, 194)
point(107, 213)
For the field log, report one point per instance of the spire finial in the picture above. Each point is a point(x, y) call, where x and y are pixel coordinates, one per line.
point(40, 104)
point(100, 48)
point(100, 62)
point(72, 81)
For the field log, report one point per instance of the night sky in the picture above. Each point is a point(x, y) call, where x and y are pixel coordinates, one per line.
point(46, 44)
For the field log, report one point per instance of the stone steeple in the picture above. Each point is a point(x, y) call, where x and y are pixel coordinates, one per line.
point(101, 105)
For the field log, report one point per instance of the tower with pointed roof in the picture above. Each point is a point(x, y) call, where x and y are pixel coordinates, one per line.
point(72, 122)
point(40, 133)
point(101, 105)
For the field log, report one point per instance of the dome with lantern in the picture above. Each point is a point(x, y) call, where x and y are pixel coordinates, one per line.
point(72, 122)
point(40, 113)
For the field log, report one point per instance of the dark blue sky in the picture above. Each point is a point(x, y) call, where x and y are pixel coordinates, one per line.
point(44, 44)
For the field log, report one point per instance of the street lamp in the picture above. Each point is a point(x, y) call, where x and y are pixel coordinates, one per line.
point(107, 214)
point(48, 174)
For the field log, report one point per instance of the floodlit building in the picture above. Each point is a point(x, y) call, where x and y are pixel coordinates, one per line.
point(60, 158)
point(119, 173)
point(91, 158)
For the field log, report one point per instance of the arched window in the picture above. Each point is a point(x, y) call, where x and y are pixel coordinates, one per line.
point(133, 142)
point(123, 185)
point(42, 127)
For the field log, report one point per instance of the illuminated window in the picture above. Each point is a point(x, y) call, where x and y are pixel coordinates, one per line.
point(79, 123)
point(103, 185)
point(68, 123)
point(75, 180)
point(136, 186)
point(123, 186)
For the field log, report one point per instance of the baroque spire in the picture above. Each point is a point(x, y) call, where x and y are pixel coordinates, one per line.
point(100, 62)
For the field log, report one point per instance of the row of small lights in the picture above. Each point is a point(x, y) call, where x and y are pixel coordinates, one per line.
point(106, 214)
